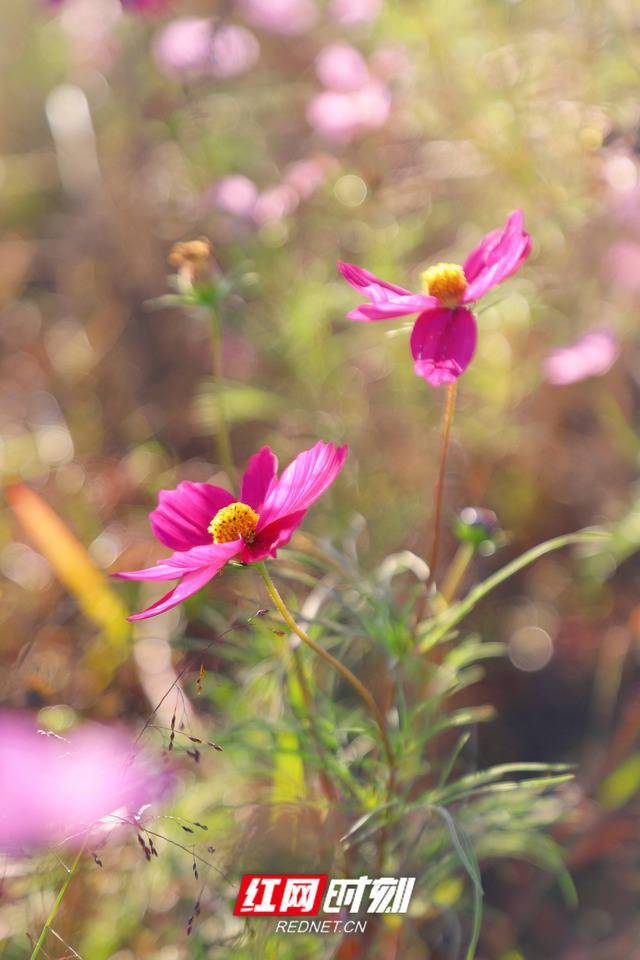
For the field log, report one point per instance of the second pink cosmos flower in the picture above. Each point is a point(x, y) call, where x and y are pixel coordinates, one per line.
point(207, 526)
point(444, 336)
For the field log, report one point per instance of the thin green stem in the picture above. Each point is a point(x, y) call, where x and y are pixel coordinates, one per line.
point(56, 906)
point(458, 611)
point(223, 438)
point(344, 671)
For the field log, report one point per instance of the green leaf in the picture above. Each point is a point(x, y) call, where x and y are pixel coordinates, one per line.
point(621, 785)
point(465, 851)
point(451, 617)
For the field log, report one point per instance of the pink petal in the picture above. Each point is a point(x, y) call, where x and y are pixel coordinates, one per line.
point(185, 561)
point(303, 482)
point(185, 589)
point(591, 356)
point(271, 537)
point(442, 344)
point(182, 516)
point(360, 278)
point(54, 789)
point(497, 257)
point(393, 307)
point(259, 477)
point(387, 299)
point(196, 567)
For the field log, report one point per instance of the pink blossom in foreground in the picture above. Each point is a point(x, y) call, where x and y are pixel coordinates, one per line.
point(206, 526)
point(56, 789)
point(590, 356)
point(341, 67)
point(194, 45)
point(444, 336)
point(351, 12)
point(287, 17)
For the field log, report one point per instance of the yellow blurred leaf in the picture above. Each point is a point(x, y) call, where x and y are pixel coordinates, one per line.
point(76, 571)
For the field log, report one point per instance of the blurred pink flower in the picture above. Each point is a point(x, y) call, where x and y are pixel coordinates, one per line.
point(444, 336)
point(235, 195)
point(55, 789)
point(275, 204)
point(622, 264)
point(207, 527)
point(349, 12)
point(590, 356)
point(341, 67)
point(306, 176)
point(342, 117)
point(141, 6)
point(145, 6)
point(287, 17)
point(234, 50)
point(194, 45)
point(184, 45)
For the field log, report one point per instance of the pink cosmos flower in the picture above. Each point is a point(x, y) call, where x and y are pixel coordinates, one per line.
point(351, 12)
point(342, 117)
point(444, 336)
point(591, 356)
point(306, 176)
point(193, 45)
point(275, 204)
point(235, 195)
point(206, 526)
point(287, 17)
point(184, 45)
point(341, 67)
point(55, 789)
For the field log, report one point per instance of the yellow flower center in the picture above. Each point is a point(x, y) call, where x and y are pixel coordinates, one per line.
point(446, 281)
point(230, 523)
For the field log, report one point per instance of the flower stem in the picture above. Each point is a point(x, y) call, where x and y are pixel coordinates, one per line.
point(344, 671)
point(447, 420)
point(56, 906)
point(456, 571)
point(223, 438)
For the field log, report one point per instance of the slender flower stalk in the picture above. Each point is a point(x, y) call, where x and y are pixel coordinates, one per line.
point(223, 437)
point(71, 872)
point(449, 411)
point(344, 671)
point(457, 569)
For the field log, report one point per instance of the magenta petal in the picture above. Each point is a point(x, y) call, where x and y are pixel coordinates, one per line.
point(189, 585)
point(271, 537)
point(183, 515)
point(497, 257)
point(361, 279)
point(196, 567)
point(303, 482)
point(259, 477)
point(393, 307)
point(442, 344)
point(185, 561)
point(387, 299)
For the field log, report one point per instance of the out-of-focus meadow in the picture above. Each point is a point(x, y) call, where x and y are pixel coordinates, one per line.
point(120, 135)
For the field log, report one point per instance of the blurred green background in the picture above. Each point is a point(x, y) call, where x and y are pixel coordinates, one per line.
point(108, 155)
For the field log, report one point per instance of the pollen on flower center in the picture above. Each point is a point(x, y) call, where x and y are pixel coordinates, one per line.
point(446, 281)
point(230, 523)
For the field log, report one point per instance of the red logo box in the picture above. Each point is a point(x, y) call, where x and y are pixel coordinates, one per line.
point(280, 894)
